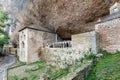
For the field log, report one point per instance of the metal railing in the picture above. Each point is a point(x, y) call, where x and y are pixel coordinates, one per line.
point(64, 44)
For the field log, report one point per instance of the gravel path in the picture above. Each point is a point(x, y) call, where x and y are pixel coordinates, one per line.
point(8, 61)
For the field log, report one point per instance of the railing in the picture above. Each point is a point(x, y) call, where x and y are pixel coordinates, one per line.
point(64, 44)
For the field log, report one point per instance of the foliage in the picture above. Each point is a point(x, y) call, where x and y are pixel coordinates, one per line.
point(38, 63)
point(3, 40)
point(15, 78)
point(33, 77)
point(106, 68)
point(90, 55)
point(2, 24)
point(3, 16)
point(3, 35)
point(104, 52)
point(30, 71)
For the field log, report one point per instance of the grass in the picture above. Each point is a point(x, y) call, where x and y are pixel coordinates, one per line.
point(106, 68)
point(27, 72)
point(36, 70)
point(58, 74)
point(33, 71)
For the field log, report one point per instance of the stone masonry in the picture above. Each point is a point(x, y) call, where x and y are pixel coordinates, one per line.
point(85, 41)
point(31, 40)
point(81, 43)
point(109, 35)
point(109, 30)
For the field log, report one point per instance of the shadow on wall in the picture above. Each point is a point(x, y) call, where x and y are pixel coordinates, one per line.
point(40, 53)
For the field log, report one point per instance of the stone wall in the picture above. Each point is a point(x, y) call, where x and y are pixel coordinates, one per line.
point(61, 57)
point(109, 35)
point(37, 40)
point(85, 41)
point(80, 74)
point(81, 44)
point(23, 44)
point(31, 41)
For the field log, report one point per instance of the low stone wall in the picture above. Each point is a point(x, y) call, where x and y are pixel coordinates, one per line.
point(62, 56)
point(81, 44)
point(8, 48)
point(13, 51)
point(81, 73)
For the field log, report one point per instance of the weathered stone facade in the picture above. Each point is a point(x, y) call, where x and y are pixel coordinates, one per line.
point(109, 35)
point(23, 45)
point(31, 42)
point(80, 46)
point(61, 57)
point(85, 41)
point(109, 30)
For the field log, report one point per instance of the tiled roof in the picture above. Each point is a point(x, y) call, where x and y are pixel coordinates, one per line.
point(37, 27)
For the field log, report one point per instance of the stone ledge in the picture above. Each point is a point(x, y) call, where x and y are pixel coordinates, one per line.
point(79, 74)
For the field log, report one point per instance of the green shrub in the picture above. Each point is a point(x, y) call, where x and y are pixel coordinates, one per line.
point(4, 38)
point(107, 68)
point(104, 52)
point(81, 60)
point(34, 77)
point(3, 16)
point(90, 56)
point(15, 78)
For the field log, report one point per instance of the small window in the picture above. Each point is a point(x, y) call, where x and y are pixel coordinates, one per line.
point(24, 36)
point(23, 45)
point(116, 10)
point(22, 32)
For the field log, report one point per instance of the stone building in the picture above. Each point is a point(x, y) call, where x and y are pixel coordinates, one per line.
point(86, 41)
point(109, 30)
point(31, 40)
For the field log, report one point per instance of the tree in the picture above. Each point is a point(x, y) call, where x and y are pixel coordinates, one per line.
point(4, 38)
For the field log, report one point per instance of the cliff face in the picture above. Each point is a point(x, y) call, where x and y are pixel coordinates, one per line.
point(67, 17)
point(12, 6)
